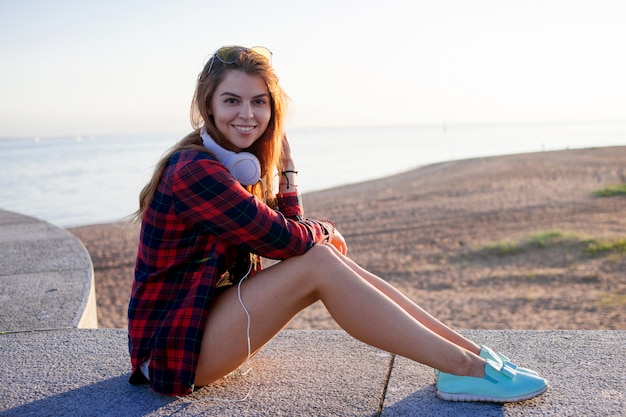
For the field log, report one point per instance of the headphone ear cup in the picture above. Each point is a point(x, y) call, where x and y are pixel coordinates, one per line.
point(245, 167)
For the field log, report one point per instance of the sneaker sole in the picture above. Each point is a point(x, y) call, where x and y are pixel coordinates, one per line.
point(480, 398)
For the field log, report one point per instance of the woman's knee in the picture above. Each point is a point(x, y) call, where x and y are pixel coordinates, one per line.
point(322, 253)
point(320, 259)
point(323, 262)
point(311, 267)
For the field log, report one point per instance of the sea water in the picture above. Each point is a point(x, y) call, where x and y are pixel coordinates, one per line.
point(87, 180)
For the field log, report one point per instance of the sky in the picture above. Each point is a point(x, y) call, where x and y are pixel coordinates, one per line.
point(128, 67)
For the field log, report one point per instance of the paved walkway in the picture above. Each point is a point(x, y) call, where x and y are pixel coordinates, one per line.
point(50, 367)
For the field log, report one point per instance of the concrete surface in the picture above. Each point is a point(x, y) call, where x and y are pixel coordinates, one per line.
point(584, 369)
point(46, 276)
point(303, 373)
point(49, 366)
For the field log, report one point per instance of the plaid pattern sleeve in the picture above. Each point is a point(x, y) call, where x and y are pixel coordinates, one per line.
point(200, 223)
point(291, 205)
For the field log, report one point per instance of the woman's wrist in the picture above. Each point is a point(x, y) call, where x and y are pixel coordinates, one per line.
point(329, 225)
point(288, 181)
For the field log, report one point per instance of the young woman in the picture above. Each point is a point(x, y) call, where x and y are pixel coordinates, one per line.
point(210, 212)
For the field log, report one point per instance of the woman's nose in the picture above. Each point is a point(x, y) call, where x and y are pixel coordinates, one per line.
point(245, 112)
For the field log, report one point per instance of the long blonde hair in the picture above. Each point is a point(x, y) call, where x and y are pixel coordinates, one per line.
point(268, 148)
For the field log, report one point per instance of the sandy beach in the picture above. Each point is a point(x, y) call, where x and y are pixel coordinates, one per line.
point(486, 243)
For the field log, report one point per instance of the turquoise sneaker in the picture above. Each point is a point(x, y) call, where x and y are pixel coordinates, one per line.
point(501, 384)
point(487, 353)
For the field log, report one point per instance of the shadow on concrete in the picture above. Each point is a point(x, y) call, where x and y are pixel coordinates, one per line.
point(423, 402)
point(110, 397)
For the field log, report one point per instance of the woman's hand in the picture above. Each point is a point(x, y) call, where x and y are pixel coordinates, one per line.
point(339, 242)
point(287, 161)
point(334, 237)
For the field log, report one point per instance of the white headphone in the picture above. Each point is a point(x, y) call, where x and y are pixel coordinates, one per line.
point(243, 166)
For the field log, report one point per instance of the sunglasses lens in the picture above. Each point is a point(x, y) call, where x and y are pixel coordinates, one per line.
point(263, 51)
point(228, 54)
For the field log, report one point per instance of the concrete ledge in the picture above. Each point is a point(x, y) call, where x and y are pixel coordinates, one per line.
point(304, 373)
point(46, 276)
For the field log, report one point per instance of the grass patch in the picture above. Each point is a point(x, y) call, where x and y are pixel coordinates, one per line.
point(504, 247)
point(596, 247)
point(611, 190)
point(537, 240)
point(543, 239)
point(551, 238)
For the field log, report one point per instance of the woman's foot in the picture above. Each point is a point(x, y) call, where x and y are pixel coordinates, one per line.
point(499, 358)
point(501, 384)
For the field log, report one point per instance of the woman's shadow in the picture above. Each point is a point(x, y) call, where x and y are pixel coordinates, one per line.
point(110, 397)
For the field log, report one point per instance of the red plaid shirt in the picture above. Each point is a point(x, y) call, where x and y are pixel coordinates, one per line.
point(200, 225)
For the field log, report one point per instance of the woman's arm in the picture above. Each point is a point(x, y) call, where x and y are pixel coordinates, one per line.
point(207, 197)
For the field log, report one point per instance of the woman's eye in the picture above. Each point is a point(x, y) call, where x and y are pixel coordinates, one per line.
point(230, 101)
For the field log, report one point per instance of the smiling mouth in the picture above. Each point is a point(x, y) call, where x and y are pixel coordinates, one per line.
point(244, 129)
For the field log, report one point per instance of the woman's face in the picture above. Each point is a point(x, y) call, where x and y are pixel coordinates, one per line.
point(241, 108)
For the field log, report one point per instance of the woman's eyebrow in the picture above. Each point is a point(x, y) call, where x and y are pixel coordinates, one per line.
point(228, 93)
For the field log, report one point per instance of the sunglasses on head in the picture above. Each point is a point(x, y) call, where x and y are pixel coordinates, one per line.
point(229, 54)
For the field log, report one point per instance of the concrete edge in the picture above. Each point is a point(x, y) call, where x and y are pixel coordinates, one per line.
point(89, 318)
point(42, 250)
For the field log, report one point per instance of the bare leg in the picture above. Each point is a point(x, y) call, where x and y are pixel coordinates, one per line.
point(274, 296)
point(413, 309)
